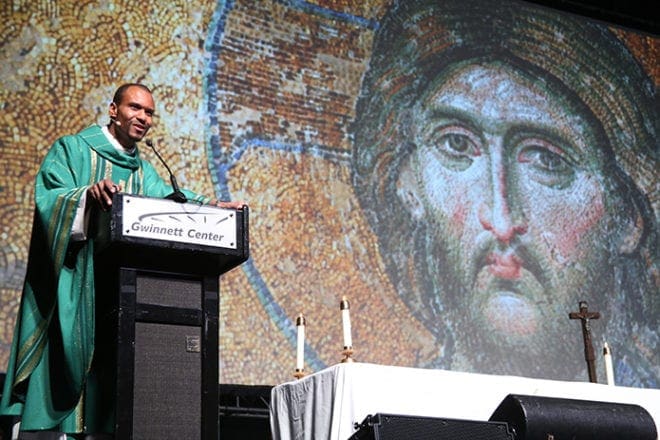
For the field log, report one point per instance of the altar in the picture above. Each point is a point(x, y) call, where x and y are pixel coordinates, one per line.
point(328, 404)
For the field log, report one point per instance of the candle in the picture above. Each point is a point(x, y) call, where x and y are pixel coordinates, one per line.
point(346, 322)
point(300, 347)
point(609, 370)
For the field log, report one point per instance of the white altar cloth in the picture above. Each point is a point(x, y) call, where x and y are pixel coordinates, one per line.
point(327, 404)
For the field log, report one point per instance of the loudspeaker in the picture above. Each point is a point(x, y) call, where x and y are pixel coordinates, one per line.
point(167, 390)
point(397, 427)
point(536, 417)
point(163, 330)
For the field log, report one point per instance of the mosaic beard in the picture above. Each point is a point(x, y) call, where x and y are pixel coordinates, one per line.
point(499, 326)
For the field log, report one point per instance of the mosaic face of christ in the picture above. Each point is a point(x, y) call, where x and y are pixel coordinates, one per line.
point(509, 177)
point(503, 156)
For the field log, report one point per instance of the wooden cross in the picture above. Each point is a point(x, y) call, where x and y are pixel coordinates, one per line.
point(586, 316)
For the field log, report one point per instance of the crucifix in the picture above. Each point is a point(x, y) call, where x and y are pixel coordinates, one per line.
point(585, 316)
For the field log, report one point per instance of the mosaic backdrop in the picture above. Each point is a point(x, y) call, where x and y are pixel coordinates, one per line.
point(365, 140)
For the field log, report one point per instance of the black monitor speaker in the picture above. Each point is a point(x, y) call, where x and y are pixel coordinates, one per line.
point(397, 427)
point(544, 418)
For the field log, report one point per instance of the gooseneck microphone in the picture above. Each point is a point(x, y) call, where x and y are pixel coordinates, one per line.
point(177, 195)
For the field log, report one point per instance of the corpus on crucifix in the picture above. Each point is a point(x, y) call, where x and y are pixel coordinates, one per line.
point(586, 316)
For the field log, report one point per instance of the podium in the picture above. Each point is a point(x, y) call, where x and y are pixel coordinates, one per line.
point(157, 270)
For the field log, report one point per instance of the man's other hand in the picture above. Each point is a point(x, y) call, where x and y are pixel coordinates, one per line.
point(102, 192)
point(228, 205)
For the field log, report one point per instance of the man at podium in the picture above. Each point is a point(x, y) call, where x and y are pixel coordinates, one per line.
point(49, 386)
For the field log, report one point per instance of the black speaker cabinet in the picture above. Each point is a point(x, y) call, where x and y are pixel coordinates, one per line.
point(398, 427)
point(168, 376)
point(159, 346)
point(538, 417)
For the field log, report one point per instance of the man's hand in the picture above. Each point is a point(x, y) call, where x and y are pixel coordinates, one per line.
point(102, 193)
point(228, 205)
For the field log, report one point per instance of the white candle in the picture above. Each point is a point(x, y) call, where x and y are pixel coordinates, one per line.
point(346, 322)
point(300, 346)
point(609, 370)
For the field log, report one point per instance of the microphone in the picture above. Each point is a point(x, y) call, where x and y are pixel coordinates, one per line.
point(177, 195)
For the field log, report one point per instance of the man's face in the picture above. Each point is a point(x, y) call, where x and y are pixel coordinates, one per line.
point(132, 117)
point(507, 178)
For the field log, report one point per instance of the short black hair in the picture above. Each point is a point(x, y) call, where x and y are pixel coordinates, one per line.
point(119, 94)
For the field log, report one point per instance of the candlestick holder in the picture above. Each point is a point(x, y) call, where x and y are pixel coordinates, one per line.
point(299, 374)
point(348, 355)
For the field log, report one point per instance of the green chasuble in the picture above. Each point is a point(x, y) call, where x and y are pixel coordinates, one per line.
point(53, 345)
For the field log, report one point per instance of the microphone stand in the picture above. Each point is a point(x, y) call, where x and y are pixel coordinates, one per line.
point(176, 195)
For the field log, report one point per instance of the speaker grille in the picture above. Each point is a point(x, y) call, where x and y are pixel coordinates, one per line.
point(169, 291)
point(168, 384)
